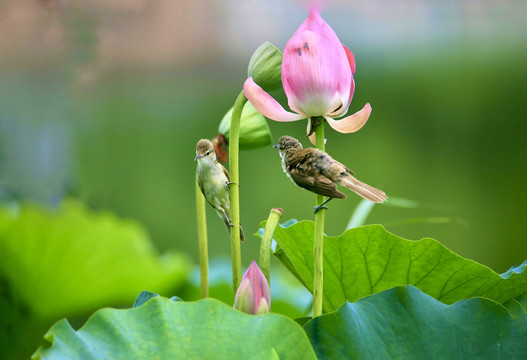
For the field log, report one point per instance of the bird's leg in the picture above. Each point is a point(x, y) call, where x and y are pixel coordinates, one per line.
point(226, 217)
point(321, 206)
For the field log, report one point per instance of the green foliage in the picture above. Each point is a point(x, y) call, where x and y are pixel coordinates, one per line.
point(400, 323)
point(404, 323)
point(143, 297)
point(71, 261)
point(361, 264)
point(367, 260)
point(164, 329)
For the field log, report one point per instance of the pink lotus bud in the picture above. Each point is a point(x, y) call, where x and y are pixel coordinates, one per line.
point(253, 296)
point(317, 75)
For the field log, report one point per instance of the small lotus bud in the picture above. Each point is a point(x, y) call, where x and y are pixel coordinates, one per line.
point(254, 131)
point(253, 296)
point(265, 67)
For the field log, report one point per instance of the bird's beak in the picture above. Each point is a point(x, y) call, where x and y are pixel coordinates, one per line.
point(276, 146)
point(198, 157)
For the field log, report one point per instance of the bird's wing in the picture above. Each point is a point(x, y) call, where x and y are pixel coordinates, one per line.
point(201, 185)
point(348, 169)
point(343, 166)
point(316, 183)
point(203, 192)
point(225, 171)
point(324, 156)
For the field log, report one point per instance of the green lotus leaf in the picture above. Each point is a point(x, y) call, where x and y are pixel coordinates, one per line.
point(405, 323)
point(368, 259)
point(164, 329)
point(71, 261)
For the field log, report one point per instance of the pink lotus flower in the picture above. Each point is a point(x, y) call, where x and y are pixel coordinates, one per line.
point(317, 75)
point(253, 295)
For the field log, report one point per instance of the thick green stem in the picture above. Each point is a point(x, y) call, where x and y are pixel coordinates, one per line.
point(265, 246)
point(202, 243)
point(318, 245)
point(234, 141)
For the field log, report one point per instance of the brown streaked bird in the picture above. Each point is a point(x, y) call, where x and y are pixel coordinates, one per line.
point(318, 172)
point(213, 180)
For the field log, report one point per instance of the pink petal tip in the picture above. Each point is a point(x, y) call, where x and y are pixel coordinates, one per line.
point(266, 105)
point(353, 122)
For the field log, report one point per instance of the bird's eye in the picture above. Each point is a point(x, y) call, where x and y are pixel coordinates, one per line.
point(208, 152)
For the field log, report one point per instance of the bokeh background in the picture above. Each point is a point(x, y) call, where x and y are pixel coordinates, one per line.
point(104, 101)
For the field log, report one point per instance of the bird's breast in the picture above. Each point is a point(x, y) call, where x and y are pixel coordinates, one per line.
point(214, 183)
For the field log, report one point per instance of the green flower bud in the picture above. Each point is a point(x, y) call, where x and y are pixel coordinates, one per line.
point(254, 131)
point(265, 67)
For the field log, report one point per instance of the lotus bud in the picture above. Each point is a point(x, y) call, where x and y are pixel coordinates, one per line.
point(317, 76)
point(253, 296)
point(254, 130)
point(265, 67)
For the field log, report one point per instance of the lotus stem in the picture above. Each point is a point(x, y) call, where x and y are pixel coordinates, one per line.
point(318, 239)
point(234, 141)
point(203, 250)
point(267, 238)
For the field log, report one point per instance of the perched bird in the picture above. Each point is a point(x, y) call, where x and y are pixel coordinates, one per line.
point(213, 180)
point(318, 172)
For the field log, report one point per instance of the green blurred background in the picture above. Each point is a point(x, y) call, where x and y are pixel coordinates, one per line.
point(105, 100)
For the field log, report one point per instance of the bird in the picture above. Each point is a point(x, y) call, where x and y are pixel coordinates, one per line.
point(213, 181)
point(316, 171)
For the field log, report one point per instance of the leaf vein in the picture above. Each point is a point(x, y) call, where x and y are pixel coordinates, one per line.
point(448, 280)
point(385, 266)
point(439, 261)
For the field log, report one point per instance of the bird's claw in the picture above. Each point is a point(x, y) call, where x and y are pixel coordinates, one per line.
point(228, 184)
point(318, 208)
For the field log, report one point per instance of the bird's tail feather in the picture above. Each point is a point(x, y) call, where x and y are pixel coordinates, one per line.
point(242, 235)
point(364, 190)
